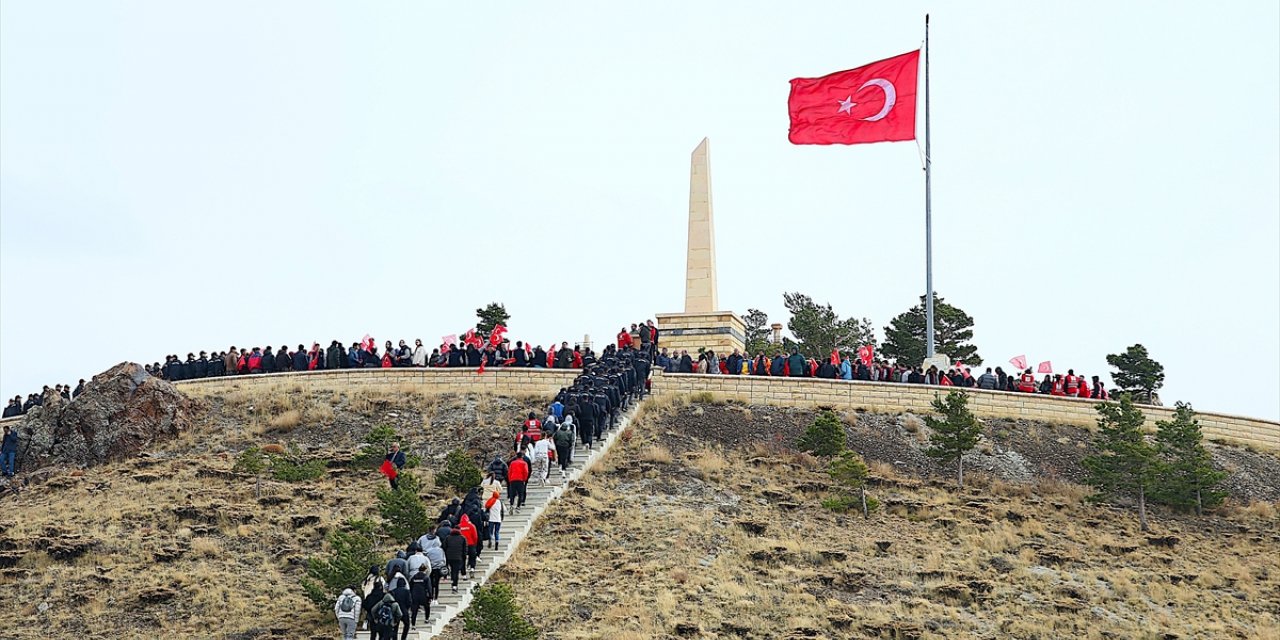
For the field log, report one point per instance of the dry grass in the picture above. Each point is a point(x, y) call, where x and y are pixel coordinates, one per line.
point(657, 453)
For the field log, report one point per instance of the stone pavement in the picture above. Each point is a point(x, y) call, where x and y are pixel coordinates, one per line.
point(515, 527)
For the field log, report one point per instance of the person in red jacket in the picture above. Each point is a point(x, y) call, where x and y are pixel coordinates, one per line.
point(577, 357)
point(534, 428)
point(1027, 383)
point(473, 541)
point(624, 339)
point(517, 480)
point(1083, 392)
point(1058, 387)
point(1071, 383)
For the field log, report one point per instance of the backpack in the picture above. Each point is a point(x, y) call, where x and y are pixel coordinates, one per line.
point(347, 604)
point(384, 616)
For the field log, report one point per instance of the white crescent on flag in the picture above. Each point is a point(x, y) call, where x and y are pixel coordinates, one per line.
point(890, 97)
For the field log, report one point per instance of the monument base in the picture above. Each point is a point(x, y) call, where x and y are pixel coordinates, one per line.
point(719, 331)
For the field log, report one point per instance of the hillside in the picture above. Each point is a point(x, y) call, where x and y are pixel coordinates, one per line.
point(175, 541)
point(702, 523)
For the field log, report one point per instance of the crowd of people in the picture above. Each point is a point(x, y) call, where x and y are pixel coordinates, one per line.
point(17, 406)
point(392, 597)
point(797, 365)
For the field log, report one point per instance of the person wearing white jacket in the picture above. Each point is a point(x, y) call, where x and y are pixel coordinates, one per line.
point(496, 511)
point(542, 459)
point(419, 354)
point(347, 609)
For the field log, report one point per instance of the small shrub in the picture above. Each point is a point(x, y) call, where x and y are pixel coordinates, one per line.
point(288, 469)
point(824, 438)
point(352, 550)
point(494, 615)
point(376, 444)
point(705, 397)
point(657, 453)
point(287, 421)
point(460, 472)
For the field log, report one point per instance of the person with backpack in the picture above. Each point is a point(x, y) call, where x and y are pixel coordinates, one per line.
point(420, 594)
point(385, 617)
point(347, 610)
point(404, 600)
point(497, 468)
point(542, 460)
point(373, 588)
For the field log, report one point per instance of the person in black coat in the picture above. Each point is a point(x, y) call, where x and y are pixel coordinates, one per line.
point(405, 599)
point(455, 553)
point(451, 512)
point(539, 358)
point(420, 594)
point(300, 359)
point(686, 362)
point(397, 458)
point(268, 361)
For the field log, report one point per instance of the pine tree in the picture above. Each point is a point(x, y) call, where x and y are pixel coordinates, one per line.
point(352, 550)
point(495, 615)
point(850, 472)
point(492, 315)
point(953, 329)
point(1126, 465)
point(1187, 475)
point(404, 514)
point(955, 434)
point(1137, 373)
point(824, 438)
point(818, 330)
point(460, 472)
point(757, 331)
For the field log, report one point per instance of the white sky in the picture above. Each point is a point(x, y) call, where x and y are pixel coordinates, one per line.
point(176, 178)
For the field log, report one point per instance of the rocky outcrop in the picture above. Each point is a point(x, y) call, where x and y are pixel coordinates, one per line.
point(121, 412)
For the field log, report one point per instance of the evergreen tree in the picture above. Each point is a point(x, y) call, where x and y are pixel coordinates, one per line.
point(824, 438)
point(495, 615)
point(1126, 465)
point(955, 434)
point(253, 461)
point(492, 315)
point(352, 550)
point(818, 330)
point(757, 327)
point(460, 472)
point(1136, 373)
point(404, 514)
point(1187, 475)
point(952, 331)
point(850, 472)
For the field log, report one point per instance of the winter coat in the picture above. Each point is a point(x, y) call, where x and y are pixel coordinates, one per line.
point(455, 547)
point(388, 600)
point(268, 362)
point(354, 613)
point(468, 531)
point(496, 511)
point(10, 442)
point(416, 560)
point(987, 381)
point(333, 357)
point(518, 470)
point(435, 556)
point(419, 585)
point(397, 565)
point(498, 468)
point(798, 365)
point(300, 362)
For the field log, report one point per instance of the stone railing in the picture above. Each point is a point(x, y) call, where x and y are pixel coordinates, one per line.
point(894, 398)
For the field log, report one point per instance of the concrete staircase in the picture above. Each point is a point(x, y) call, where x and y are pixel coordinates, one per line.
point(515, 527)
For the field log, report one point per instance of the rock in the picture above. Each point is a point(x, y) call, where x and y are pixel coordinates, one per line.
point(121, 411)
point(687, 629)
point(1163, 541)
point(883, 545)
point(753, 528)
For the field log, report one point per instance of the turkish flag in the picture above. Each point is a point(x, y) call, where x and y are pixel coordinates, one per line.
point(1019, 362)
point(1045, 367)
point(388, 469)
point(873, 103)
point(865, 353)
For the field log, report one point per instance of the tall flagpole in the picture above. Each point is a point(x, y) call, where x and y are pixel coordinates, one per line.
point(928, 205)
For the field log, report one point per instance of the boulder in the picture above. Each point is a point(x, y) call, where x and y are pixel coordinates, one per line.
point(120, 412)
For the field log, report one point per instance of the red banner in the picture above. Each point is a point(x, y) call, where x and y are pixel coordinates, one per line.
point(388, 469)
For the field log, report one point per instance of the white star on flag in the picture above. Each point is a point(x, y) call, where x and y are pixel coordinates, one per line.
point(846, 105)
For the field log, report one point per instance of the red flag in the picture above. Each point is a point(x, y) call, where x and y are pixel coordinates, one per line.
point(1045, 367)
point(866, 353)
point(495, 336)
point(873, 103)
point(388, 469)
point(481, 369)
point(368, 342)
point(835, 356)
point(1019, 362)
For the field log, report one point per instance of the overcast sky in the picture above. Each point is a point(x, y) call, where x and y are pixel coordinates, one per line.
point(176, 178)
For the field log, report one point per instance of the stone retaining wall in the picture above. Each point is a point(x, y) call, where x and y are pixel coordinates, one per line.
point(894, 398)
point(797, 392)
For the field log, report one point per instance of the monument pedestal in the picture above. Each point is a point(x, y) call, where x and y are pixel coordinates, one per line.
point(719, 331)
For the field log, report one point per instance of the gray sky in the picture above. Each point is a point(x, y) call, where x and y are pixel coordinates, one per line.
point(176, 178)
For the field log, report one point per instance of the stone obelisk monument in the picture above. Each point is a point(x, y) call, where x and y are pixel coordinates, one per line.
point(702, 325)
